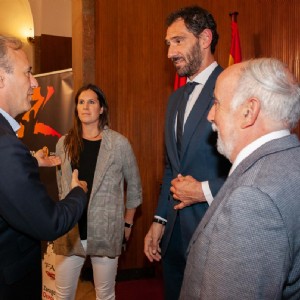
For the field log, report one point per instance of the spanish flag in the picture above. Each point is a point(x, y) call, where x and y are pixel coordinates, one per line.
point(235, 48)
point(179, 81)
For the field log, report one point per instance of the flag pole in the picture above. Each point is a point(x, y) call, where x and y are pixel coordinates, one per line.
point(233, 16)
point(235, 55)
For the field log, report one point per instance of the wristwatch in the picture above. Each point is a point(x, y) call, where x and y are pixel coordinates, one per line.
point(157, 220)
point(128, 225)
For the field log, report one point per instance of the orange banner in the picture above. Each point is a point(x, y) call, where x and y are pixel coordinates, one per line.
point(48, 119)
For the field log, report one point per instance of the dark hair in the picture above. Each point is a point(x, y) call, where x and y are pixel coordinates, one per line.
point(5, 43)
point(196, 19)
point(73, 144)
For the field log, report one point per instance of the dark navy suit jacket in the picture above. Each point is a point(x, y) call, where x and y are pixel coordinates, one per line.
point(27, 214)
point(200, 159)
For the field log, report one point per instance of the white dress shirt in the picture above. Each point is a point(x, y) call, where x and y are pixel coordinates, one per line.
point(201, 78)
point(13, 123)
point(256, 144)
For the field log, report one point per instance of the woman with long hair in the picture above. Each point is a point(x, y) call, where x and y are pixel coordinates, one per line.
point(105, 160)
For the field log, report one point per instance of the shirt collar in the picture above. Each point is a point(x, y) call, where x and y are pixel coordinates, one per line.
point(256, 144)
point(12, 122)
point(203, 76)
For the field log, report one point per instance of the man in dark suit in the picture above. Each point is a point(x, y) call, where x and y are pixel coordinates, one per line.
point(191, 38)
point(247, 246)
point(27, 214)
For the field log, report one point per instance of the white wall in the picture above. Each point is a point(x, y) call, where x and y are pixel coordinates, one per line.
point(16, 20)
point(23, 18)
point(53, 17)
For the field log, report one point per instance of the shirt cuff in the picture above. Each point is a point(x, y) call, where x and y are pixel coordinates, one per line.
point(160, 218)
point(207, 192)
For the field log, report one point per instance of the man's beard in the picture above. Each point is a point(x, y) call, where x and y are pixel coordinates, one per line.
point(224, 148)
point(193, 62)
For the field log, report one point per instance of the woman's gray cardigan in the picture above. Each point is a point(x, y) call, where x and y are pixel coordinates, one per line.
point(115, 163)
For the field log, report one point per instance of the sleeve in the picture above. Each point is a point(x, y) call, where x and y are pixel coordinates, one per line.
point(25, 204)
point(58, 152)
point(162, 206)
point(248, 254)
point(207, 192)
point(132, 177)
point(216, 184)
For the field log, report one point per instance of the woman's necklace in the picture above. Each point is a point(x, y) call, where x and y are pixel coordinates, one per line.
point(96, 135)
point(91, 138)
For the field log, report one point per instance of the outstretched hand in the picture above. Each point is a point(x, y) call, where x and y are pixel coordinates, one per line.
point(44, 160)
point(76, 182)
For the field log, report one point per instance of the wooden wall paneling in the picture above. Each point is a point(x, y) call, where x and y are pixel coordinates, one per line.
point(55, 53)
point(132, 68)
point(128, 70)
point(37, 54)
point(267, 29)
point(83, 42)
point(77, 43)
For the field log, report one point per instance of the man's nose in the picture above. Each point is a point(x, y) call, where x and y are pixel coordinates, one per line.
point(33, 81)
point(171, 51)
point(211, 114)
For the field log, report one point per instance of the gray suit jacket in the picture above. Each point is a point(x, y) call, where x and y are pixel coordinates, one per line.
point(116, 164)
point(247, 246)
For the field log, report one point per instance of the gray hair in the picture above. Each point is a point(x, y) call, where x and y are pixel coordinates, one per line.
point(278, 91)
point(5, 43)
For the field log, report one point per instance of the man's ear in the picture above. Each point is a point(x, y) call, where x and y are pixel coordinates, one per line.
point(205, 38)
point(2, 77)
point(250, 112)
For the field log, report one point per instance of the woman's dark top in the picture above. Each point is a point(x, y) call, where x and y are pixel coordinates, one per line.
point(86, 170)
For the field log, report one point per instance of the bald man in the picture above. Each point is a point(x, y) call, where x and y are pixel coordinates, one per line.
point(247, 246)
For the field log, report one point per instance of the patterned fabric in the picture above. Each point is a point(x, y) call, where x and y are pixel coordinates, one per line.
point(247, 246)
point(116, 163)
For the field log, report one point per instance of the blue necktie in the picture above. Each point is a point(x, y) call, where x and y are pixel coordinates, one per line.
point(189, 87)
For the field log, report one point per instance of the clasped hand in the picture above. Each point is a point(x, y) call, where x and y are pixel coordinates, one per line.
point(187, 190)
point(44, 160)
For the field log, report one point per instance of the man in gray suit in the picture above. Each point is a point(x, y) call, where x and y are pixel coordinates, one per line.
point(247, 246)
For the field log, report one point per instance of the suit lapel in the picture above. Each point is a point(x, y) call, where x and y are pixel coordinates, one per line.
point(4, 123)
point(273, 146)
point(66, 166)
point(103, 160)
point(200, 109)
point(170, 137)
point(195, 117)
